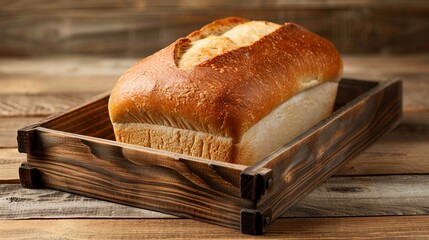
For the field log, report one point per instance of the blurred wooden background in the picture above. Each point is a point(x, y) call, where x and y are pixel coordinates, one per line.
point(136, 28)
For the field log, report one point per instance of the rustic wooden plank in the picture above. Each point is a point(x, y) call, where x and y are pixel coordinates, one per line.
point(337, 197)
point(412, 227)
point(145, 5)
point(366, 196)
point(78, 75)
point(39, 84)
point(139, 28)
point(9, 128)
point(411, 69)
point(10, 160)
point(404, 150)
point(382, 66)
point(17, 202)
point(416, 95)
point(22, 105)
point(63, 66)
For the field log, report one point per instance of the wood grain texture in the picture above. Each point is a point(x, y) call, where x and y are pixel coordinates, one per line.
point(405, 150)
point(10, 160)
point(94, 113)
point(337, 197)
point(23, 6)
point(23, 105)
point(61, 75)
point(411, 69)
point(9, 127)
point(56, 84)
point(366, 196)
point(132, 175)
point(138, 28)
point(17, 202)
point(405, 227)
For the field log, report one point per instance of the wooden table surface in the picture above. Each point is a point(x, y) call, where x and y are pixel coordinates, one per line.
point(383, 193)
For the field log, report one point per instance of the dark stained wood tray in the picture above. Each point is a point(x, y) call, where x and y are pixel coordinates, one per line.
point(75, 152)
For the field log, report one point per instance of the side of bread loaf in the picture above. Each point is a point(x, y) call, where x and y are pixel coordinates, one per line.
point(232, 91)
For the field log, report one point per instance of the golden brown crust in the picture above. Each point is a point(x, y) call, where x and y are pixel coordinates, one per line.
point(229, 93)
point(216, 28)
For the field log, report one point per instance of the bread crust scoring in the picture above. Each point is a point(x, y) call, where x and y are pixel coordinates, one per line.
point(229, 93)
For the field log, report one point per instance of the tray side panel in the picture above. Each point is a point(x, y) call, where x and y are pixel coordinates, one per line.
point(350, 89)
point(90, 119)
point(205, 191)
point(309, 160)
point(255, 181)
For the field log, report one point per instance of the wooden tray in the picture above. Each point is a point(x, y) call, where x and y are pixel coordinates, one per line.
point(75, 152)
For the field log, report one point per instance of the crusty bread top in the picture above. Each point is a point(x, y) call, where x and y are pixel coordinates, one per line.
point(218, 42)
point(226, 93)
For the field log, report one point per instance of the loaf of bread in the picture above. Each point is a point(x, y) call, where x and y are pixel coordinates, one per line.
point(233, 91)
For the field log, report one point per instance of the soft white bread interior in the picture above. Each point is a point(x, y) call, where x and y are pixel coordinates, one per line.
point(232, 91)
